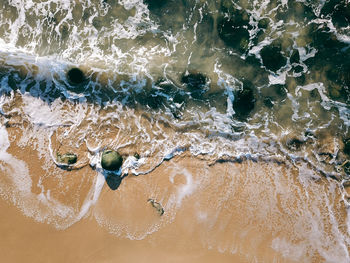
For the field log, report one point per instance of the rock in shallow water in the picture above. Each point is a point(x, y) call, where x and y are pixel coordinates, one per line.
point(347, 146)
point(111, 160)
point(233, 26)
point(67, 158)
point(272, 57)
point(194, 80)
point(196, 83)
point(75, 76)
point(157, 206)
point(233, 34)
point(155, 4)
point(244, 102)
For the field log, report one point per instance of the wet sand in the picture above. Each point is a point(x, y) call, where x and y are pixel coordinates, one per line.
point(24, 240)
point(224, 212)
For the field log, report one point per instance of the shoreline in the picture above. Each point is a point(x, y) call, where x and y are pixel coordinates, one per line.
point(228, 212)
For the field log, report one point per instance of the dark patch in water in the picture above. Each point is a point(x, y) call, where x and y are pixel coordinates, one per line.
point(194, 80)
point(294, 58)
point(347, 146)
point(272, 57)
point(298, 69)
point(323, 38)
point(196, 83)
point(155, 4)
point(75, 76)
point(268, 102)
point(263, 23)
point(294, 144)
point(152, 98)
point(341, 14)
point(244, 101)
point(233, 27)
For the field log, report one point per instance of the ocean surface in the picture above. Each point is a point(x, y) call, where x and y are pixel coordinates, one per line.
point(225, 82)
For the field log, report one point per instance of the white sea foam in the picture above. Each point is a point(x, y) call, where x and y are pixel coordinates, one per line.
point(126, 51)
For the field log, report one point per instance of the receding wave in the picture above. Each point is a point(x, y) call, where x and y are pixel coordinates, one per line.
point(259, 88)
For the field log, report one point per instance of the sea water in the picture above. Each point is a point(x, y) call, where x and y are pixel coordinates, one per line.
point(222, 81)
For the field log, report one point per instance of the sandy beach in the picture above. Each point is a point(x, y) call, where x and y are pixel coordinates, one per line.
point(222, 212)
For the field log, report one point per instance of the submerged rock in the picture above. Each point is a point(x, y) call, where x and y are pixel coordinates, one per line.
point(233, 34)
point(155, 4)
point(196, 83)
point(268, 102)
point(67, 158)
point(75, 76)
point(294, 144)
point(272, 57)
point(244, 102)
point(111, 160)
point(233, 27)
point(327, 146)
point(347, 146)
point(263, 23)
point(157, 206)
point(194, 80)
point(295, 57)
point(341, 14)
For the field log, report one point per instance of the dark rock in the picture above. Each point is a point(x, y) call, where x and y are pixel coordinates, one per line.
point(233, 26)
point(244, 102)
point(111, 160)
point(341, 14)
point(233, 34)
point(298, 69)
point(75, 76)
point(301, 81)
point(155, 101)
point(67, 158)
point(294, 144)
point(346, 167)
point(324, 39)
point(179, 98)
point(280, 90)
point(97, 23)
point(337, 92)
point(347, 146)
point(195, 82)
point(294, 58)
point(157, 206)
point(263, 23)
point(153, 98)
point(137, 156)
point(155, 4)
point(309, 135)
point(268, 102)
point(272, 57)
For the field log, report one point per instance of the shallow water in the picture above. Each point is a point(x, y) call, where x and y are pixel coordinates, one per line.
point(222, 81)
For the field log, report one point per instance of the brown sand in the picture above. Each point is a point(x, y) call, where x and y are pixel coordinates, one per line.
point(230, 212)
point(23, 240)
